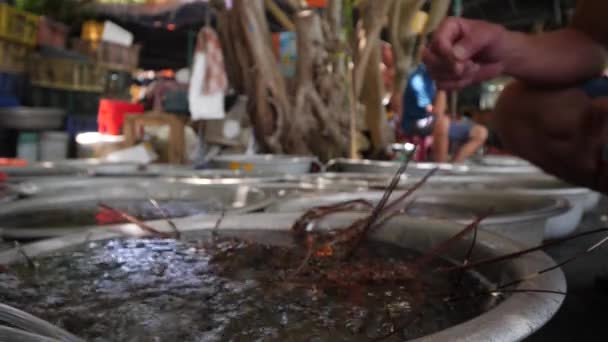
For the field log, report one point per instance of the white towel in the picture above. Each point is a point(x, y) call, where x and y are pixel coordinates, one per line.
point(203, 107)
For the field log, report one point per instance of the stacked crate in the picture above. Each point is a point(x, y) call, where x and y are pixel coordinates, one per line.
point(65, 78)
point(52, 33)
point(18, 26)
point(18, 32)
point(67, 74)
point(119, 60)
point(110, 55)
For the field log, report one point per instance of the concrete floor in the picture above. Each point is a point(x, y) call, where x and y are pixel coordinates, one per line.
point(584, 315)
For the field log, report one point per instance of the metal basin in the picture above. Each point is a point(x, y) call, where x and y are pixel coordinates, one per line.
point(188, 200)
point(344, 180)
point(376, 166)
point(514, 319)
point(282, 164)
point(593, 200)
point(504, 161)
point(296, 189)
point(420, 169)
point(382, 180)
point(7, 194)
point(504, 170)
point(138, 170)
point(361, 166)
point(16, 173)
point(100, 168)
point(52, 186)
point(519, 217)
point(581, 199)
point(31, 118)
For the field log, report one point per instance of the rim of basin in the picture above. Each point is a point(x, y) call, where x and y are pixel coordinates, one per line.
point(542, 206)
point(264, 158)
point(238, 196)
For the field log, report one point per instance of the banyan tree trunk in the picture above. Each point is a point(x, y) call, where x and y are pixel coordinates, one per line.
point(369, 83)
point(312, 116)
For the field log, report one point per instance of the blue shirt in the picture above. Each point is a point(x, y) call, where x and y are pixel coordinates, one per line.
point(596, 88)
point(419, 94)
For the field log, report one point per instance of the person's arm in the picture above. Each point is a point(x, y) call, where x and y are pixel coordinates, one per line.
point(440, 104)
point(562, 57)
point(464, 51)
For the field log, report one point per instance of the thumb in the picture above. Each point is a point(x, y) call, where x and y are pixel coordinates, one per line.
point(466, 47)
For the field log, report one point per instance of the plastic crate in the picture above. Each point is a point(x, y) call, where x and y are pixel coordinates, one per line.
point(110, 55)
point(52, 33)
point(112, 114)
point(66, 74)
point(18, 26)
point(13, 56)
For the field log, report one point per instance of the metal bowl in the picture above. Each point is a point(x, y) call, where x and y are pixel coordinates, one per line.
point(46, 169)
point(593, 200)
point(504, 170)
point(101, 168)
point(514, 319)
point(211, 198)
point(581, 199)
point(53, 186)
point(31, 118)
point(519, 217)
point(219, 176)
point(390, 167)
point(7, 193)
point(290, 190)
point(344, 180)
point(282, 164)
point(420, 169)
point(504, 161)
point(361, 166)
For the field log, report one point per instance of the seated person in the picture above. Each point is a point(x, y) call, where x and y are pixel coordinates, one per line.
point(424, 114)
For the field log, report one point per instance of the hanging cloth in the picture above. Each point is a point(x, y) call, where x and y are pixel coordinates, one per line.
point(209, 81)
point(215, 75)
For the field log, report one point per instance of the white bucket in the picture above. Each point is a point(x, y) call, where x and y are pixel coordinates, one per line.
point(97, 145)
point(54, 146)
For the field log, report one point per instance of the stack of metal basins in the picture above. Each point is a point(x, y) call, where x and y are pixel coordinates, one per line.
point(525, 208)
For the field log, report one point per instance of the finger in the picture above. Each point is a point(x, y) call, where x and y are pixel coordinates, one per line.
point(468, 71)
point(469, 44)
point(436, 63)
point(440, 65)
point(471, 68)
point(454, 85)
point(445, 36)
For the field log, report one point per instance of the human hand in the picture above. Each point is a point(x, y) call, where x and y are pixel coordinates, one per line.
point(464, 52)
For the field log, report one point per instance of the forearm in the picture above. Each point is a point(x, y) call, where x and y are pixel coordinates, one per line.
point(440, 105)
point(562, 57)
